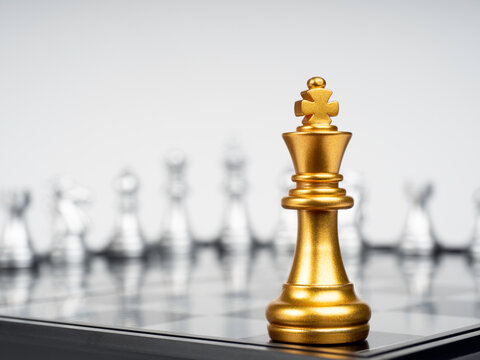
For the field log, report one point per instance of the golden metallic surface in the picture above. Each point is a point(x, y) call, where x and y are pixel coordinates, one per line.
point(318, 304)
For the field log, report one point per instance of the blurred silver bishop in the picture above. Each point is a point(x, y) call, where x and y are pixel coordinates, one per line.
point(70, 222)
point(127, 240)
point(417, 238)
point(236, 234)
point(16, 249)
point(176, 236)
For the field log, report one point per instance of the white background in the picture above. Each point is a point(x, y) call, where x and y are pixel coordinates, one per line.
point(88, 87)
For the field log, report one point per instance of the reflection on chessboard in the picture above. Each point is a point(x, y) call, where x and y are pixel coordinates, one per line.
point(213, 294)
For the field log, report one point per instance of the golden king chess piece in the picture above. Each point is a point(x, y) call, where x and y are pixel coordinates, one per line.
point(318, 304)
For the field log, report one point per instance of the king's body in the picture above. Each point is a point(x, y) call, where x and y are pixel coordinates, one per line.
point(318, 304)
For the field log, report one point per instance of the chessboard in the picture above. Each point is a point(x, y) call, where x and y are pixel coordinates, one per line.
point(213, 306)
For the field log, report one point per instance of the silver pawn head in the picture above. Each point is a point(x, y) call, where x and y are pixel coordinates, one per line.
point(176, 164)
point(17, 201)
point(419, 193)
point(235, 162)
point(127, 183)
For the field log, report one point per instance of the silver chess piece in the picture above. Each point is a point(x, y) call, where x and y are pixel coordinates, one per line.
point(16, 250)
point(176, 236)
point(236, 234)
point(71, 222)
point(285, 237)
point(475, 244)
point(127, 240)
point(417, 237)
point(350, 221)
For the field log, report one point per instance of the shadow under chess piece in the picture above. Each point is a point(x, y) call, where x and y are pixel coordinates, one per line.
point(70, 222)
point(16, 250)
point(176, 236)
point(127, 240)
point(475, 243)
point(350, 221)
point(236, 234)
point(417, 237)
point(318, 304)
point(285, 237)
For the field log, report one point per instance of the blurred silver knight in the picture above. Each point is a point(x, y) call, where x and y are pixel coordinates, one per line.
point(285, 237)
point(127, 240)
point(417, 238)
point(350, 221)
point(16, 250)
point(70, 222)
point(236, 234)
point(176, 236)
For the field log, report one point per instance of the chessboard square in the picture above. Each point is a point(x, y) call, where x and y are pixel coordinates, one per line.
point(126, 318)
point(215, 326)
point(450, 308)
point(403, 322)
point(446, 292)
point(382, 301)
point(37, 310)
point(205, 305)
point(378, 339)
point(470, 296)
point(253, 313)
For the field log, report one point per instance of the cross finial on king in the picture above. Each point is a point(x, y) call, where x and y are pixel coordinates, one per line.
point(315, 106)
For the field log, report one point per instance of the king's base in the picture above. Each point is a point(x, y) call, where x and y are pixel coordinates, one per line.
point(316, 314)
point(318, 336)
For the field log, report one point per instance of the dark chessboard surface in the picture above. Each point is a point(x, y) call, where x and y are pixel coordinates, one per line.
point(415, 301)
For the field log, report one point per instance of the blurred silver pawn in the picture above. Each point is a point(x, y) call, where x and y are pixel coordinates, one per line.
point(16, 250)
point(70, 222)
point(236, 234)
point(350, 220)
point(176, 237)
point(417, 238)
point(127, 240)
point(285, 238)
point(475, 244)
